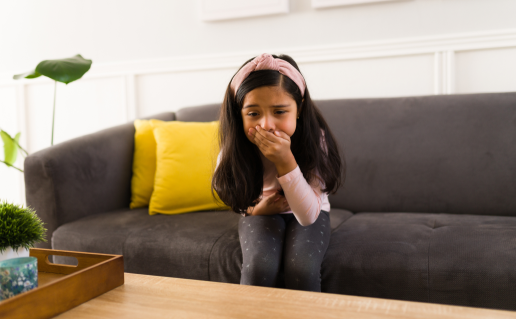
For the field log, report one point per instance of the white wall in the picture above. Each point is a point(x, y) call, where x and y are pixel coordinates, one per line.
point(153, 56)
point(127, 30)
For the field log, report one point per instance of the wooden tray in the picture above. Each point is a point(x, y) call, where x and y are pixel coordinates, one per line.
point(62, 287)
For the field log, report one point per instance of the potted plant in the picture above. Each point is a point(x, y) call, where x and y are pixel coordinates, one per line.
point(20, 229)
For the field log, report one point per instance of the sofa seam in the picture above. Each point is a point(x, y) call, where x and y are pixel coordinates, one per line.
point(338, 226)
point(211, 250)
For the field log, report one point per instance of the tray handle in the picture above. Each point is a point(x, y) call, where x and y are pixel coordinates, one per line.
point(85, 260)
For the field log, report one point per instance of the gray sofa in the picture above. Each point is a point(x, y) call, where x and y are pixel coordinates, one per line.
point(427, 212)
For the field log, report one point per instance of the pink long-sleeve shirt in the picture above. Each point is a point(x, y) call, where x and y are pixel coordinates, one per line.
point(306, 201)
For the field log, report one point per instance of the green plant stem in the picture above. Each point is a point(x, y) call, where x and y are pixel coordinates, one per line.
point(54, 113)
point(24, 151)
point(12, 166)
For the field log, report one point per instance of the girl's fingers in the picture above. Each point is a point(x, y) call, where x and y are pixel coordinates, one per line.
point(264, 136)
point(258, 140)
point(252, 134)
point(282, 135)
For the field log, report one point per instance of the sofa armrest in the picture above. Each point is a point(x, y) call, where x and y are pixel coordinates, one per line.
point(84, 176)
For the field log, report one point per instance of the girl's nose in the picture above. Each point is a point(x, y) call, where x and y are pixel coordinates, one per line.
point(267, 124)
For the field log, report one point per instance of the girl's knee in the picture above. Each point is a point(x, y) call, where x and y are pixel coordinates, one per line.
point(303, 278)
point(260, 269)
point(260, 273)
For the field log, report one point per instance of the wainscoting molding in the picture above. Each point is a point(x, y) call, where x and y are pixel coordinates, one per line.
point(444, 48)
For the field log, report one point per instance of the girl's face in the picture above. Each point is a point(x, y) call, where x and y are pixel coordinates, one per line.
point(272, 108)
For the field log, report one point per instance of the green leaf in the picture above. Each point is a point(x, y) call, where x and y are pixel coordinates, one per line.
point(17, 140)
point(29, 75)
point(64, 70)
point(10, 147)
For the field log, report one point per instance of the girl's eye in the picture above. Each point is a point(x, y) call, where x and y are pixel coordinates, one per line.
point(253, 114)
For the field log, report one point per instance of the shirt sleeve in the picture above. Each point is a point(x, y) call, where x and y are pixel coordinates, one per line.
point(305, 200)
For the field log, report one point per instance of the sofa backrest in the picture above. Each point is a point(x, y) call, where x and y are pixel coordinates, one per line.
point(439, 154)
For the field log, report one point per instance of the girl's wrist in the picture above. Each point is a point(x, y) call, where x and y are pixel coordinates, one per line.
point(286, 167)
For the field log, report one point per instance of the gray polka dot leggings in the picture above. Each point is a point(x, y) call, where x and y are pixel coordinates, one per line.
point(271, 243)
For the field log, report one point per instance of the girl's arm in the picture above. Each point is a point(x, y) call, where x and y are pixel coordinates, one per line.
point(304, 200)
point(270, 205)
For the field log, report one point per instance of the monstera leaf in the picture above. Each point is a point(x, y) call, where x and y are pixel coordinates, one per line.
point(62, 70)
point(10, 147)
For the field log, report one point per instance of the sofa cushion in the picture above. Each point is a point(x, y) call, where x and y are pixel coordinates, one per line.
point(161, 245)
point(440, 258)
point(101, 233)
point(200, 245)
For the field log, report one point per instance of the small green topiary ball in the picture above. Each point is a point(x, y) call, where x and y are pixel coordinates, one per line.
point(19, 227)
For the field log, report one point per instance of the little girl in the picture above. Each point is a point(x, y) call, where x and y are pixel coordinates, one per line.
point(278, 162)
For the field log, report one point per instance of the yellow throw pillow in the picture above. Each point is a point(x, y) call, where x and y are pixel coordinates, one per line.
point(144, 162)
point(186, 157)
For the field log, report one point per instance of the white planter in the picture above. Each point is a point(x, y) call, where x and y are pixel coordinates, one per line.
point(10, 253)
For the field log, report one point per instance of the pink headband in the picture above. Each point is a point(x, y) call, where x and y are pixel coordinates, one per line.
point(265, 61)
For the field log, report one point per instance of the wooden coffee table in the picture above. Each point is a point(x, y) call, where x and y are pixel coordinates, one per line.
point(163, 297)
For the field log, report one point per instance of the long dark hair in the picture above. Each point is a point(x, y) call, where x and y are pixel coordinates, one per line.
point(238, 179)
